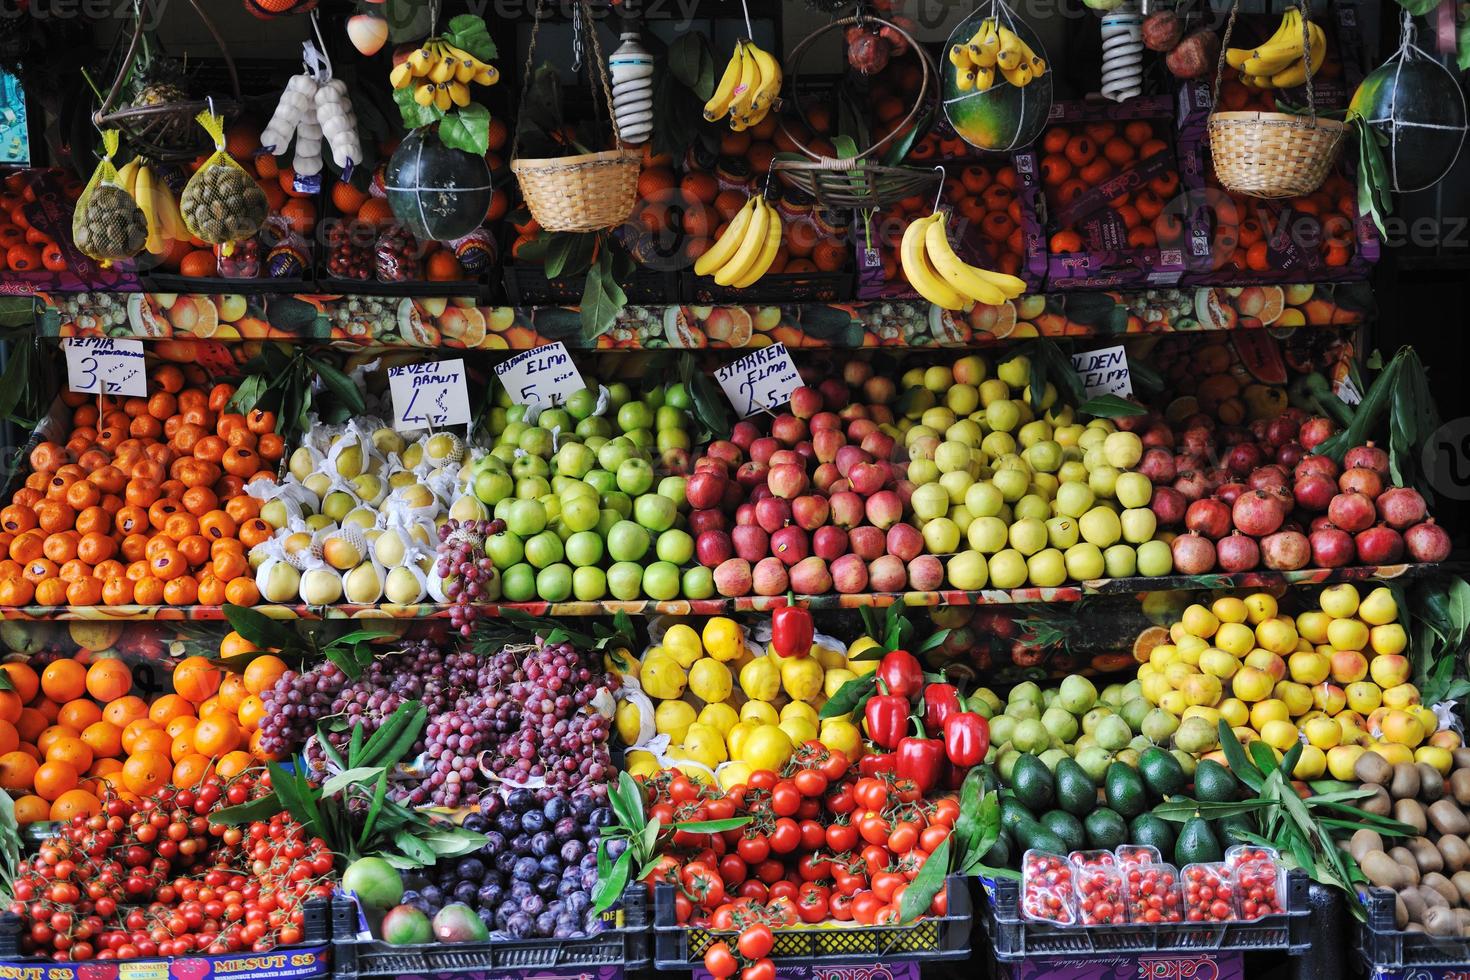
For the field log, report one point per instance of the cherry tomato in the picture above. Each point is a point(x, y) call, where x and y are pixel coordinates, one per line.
point(786, 836)
point(814, 867)
point(841, 837)
point(719, 961)
point(840, 800)
point(753, 888)
point(940, 905)
point(733, 870)
point(865, 906)
point(683, 789)
point(810, 809)
point(762, 779)
point(874, 829)
point(848, 884)
point(932, 837)
point(884, 883)
point(835, 765)
point(785, 798)
point(886, 916)
point(783, 889)
point(903, 837)
point(876, 858)
point(870, 793)
point(783, 909)
point(753, 848)
point(907, 790)
point(812, 902)
point(683, 908)
point(946, 812)
point(756, 941)
point(762, 969)
point(813, 835)
point(810, 782)
point(703, 885)
point(721, 809)
point(840, 907)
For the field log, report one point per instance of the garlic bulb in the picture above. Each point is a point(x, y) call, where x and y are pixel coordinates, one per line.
point(631, 67)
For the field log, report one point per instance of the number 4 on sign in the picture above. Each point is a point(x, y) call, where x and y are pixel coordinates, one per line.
point(429, 394)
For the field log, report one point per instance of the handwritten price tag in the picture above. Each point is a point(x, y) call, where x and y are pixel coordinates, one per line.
point(1104, 372)
point(760, 381)
point(541, 376)
point(429, 394)
point(106, 366)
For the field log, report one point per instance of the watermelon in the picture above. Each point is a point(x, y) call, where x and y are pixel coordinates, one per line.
point(437, 193)
point(1005, 117)
point(1415, 108)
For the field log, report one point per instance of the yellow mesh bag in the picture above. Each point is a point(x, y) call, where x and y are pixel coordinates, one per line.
point(222, 203)
point(107, 224)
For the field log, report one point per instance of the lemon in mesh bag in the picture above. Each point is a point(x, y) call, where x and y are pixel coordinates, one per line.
point(108, 224)
point(222, 203)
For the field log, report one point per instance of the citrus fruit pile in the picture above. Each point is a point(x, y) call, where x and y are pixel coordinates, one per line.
point(144, 503)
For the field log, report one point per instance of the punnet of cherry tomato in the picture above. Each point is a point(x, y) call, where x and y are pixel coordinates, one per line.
point(822, 846)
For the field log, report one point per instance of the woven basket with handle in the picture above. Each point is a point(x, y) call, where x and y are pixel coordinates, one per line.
point(587, 192)
point(1272, 154)
point(859, 182)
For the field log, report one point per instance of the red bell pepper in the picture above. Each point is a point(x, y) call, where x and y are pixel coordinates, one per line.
point(900, 670)
point(920, 759)
point(792, 631)
point(887, 716)
point(940, 701)
point(875, 762)
point(966, 739)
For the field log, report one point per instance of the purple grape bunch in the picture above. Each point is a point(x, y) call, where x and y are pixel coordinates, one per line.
point(294, 703)
point(467, 572)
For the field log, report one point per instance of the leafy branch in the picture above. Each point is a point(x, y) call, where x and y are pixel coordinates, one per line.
point(351, 652)
point(284, 385)
point(465, 127)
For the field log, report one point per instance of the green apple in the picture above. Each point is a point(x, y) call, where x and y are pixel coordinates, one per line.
point(518, 583)
point(544, 549)
point(674, 488)
point(532, 487)
point(1121, 561)
point(589, 583)
point(967, 570)
point(674, 546)
point(584, 548)
point(575, 460)
point(634, 415)
point(579, 512)
point(625, 580)
point(1084, 561)
point(627, 541)
point(614, 452)
point(698, 582)
point(554, 582)
point(581, 404)
point(618, 501)
point(526, 518)
point(601, 480)
point(941, 536)
point(535, 441)
point(635, 476)
point(987, 535)
point(661, 580)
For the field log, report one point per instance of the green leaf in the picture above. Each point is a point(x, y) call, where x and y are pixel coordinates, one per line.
point(627, 803)
point(447, 840)
point(1261, 753)
point(395, 736)
point(262, 809)
point(246, 395)
point(375, 808)
point(712, 826)
point(849, 695)
point(932, 642)
point(602, 298)
point(349, 777)
point(1110, 407)
point(468, 33)
point(1288, 761)
point(846, 148)
point(1181, 809)
point(415, 116)
point(259, 628)
point(1462, 46)
point(466, 128)
point(569, 254)
point(921, 891)
point(414, 849)
point(896, 150)
point(339, 384)
point(692, 64)
point(1240, 765)
point(610, 886)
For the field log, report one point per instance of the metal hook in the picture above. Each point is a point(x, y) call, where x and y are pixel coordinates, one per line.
point(749, 30)
point(943, 176)
point(770, 169)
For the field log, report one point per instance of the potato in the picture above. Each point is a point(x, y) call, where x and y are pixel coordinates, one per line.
point(1411, 813)
point(1448, 818)
point(1433, 898)
point(1373, 768)
point(1400, 912)
point(1431, 783)
point(1441, 922)
point(1463, 916)
point(1461, 881)
point(1460, 785)
point(1426, 855)
point(1413, 904)
point(1455, 851)
point(1442, 885)
point(1461, 757)
point(1405, 860)
point(1364, 841)
point(1405, 782)
point(1379, 803)
point(1384, 871)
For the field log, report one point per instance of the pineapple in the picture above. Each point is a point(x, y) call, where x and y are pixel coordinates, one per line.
point(158, 81)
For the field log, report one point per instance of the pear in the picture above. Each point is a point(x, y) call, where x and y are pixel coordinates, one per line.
point(386, 441)
point(320, 586)
point(363, 585)
point(349, 462)
point(363, 517)
point(302, 464)
point(401, 587)
point(281, 583)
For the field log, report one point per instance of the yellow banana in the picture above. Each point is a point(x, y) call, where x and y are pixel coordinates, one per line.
point(444, 67)
point(1297, 73)
point(127, 176)
point(424, 94)
point(921, 274)
point(959, 274)
point(1288, 45)
point(724, 247)
point(750, 80)
point(985, 44)
point(1019, 76)
point(719, 103)
point(168, 212)
point(442, 102)
point(421, 61)
point(770, 84)
point(488, 75)
point(1009, 56)
point(964, 79)
point(459, 93)
point(768, 251)
point(1011, 286)
point(959, 56)
point(984, 79)
point(1237, 57)
point(401, 75)
point(751, 244)
point(156, 243)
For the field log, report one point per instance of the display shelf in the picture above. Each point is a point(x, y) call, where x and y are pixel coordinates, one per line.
point(1072, 592)
point(459, 323)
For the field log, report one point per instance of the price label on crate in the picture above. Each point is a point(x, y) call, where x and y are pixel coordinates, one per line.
point(1104, 372)
point(541, 376)
point(429, 395)
point(818, 970)
point(1216, 965)
point(760, 381)
point(105, 366)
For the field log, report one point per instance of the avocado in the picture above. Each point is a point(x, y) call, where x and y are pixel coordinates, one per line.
point(1213, 783)
point(1124, 789)
point(999, 854)
point(1033, 836)
point(1033, 784)
point(1162, 773)
point(1229, 829)
point(1065, 826)
point(1012, 812)
point(1197, 843)
point(1105, 829)
point(1076, 792)
point(1154, 832)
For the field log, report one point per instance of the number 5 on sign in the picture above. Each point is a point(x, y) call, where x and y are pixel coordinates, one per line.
point(105, 366)
point(429, 395)
point(760, 381)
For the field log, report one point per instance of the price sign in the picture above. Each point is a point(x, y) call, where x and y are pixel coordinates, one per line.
point(429, 394)
point(105, 366)
point(541, 376)
point(1104, 372)
point(760, 381)
point(1214, 965)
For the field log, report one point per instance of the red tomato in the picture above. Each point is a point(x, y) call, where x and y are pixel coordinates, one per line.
point(874, 829)
point(770, 871)
point(761, 779)
point(903, 837)
point(932, 837)
point(870, 793)
point(810, 782)
point(756, 942)
point(849, 884)
point(703, 885)
point(810, 809)
point(812, 902)
point(719, 961)
point(785, 799)
point(755, 889)
point(841, 837)
point(946, 812)
point(762, 969)
point(884, 884)
point(886, 916)
point(733, 870)
point(835, 765)
point(865, 906)
point(840, 906)
point(683, 789)
point(721, 809)
point(753, 848)
point(786, 836)
point(783, 889)
point(876, 858)
point(907, 790)
point(840, 799)
point(813, 835)
point(814, 867)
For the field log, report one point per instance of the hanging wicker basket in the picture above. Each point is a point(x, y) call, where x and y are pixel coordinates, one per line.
point(166, 132)
point(859, 182)
point(587, 192)
point(1272, 154)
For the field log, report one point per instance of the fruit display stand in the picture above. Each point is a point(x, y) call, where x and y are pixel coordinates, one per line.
point(1385, 951)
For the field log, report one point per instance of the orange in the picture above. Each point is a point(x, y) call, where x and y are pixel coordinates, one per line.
point(31, 809)
point(167, 707)
point(64, 680)
point(146, 772)
point(126, 709)
point(232, 644)
point(198, 263)
point(231, 764)
point(30, 724)
point(242, 591)
point(654, 179)
point(103, 738)
point(196, 679)
point(252, 710)
point(346, 198)
point(191, 770)
point(10, 707)
point(444, 267)
point(23, 680)
point(177, 726)
point(104, 767)
point(182, 745)
point(300, 213)
point(135, 730)
point(216, 735)
point(79, 714)
point(700, 186)
point(17, 771)
point(232, 692)
point(376, 212)
point(151, 740)
point(75, 802)
point(262, 672)
point(71, 750)
point(49, 737)
point(213, 706)
point(54, 778)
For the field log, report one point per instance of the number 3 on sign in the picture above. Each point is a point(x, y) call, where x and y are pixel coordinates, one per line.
point(105, 366)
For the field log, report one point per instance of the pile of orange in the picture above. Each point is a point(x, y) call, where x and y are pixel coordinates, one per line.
point(144, 503)
point(1240, 227)
point(75, 727)
point(1077, 158)
point(24, 247)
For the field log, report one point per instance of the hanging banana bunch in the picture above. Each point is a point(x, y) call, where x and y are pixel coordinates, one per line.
point(942, 277)
point(1281, 61)
point(994, 53)
point(441, 74)
point(748, 88)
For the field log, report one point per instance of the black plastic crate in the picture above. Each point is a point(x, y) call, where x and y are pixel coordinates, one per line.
point(624, 944)
point(1383, 946)
point(172, 282)
point(776, 287)
point(945, 937)
point(526, 285)
point(1014, 937)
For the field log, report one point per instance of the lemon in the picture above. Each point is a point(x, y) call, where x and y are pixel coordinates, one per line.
point(802, 710)
point(767, 747)
point(639, 763)
point(733, 774)
point(834, 679)
point(697, 771)
point(662, 676)
point(620, 661)
point(861, 645)
point(704, 744)
point(721, 717)
point(760, 679)
point(673, 718)
point(736, 736)
point(830, 658)
point(799, 729)
point(842, 735)
point(802, 678)
point(759, 713)
point(629, 721)
point(710, 680)
point(722, 638)
point(682, 643)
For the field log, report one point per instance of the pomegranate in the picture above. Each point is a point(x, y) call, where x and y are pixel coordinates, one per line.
point(1257, 513)
point(1427, 542)
point(1282, 429)
point(1168, 506)
point(1189, 461)
point(1230, 492)
point(1283, 497)
point(1197, 440)
point(1159, 434)
point(1332, 547)
point(1233, 434)
point(1368, 457)
point(1352, 511)
point(1192, 484)
point(1244, 457)
point(1379, 545)
point(1314, 491)
point(1218, 477)
point(1317, 464)
point(1401, 507)
point(1286, 550)
point(1270, 475)
point(1315, 431)
point(1288, 454)
point(1238, 552)
point(1158, 465)
point(1209, 517)
point(1131, 423)
point(1194, 554)
point(1361, 479)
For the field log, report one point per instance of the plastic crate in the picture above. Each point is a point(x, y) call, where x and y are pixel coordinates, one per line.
point(309, 958)
point(1383, 946)
point(778, 287)
point(624, 945)
point(526, 285)
point(945, 937)
point(1015, 938)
